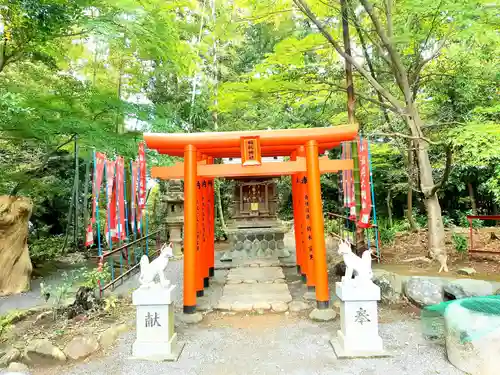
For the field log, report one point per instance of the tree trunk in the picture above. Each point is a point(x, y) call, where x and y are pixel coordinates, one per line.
point(389, 207)
point(472, 199)
point(409, 213)
point(437, 250)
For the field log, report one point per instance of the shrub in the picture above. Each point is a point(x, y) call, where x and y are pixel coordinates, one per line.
point(219, 233)
point(46, 249)
point(459, 242)
point(448, 222)
point(92, 276)
point(332, 226)
point(387, 235)
point(464, 222)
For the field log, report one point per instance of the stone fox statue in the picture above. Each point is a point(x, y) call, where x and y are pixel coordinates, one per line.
point(362, 266)
point(156, 267)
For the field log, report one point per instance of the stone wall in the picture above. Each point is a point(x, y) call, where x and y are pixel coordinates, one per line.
point(258, 242)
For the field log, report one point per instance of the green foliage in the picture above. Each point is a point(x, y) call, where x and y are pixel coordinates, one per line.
point(332, 226)
point(219, 233)
point(387, 235)
point(7, 320)
point(45, 249)
point(91, 277)
point(448, 221)
point(108, 70)
point(464, 222)
point(60, 292)
point(459, 242)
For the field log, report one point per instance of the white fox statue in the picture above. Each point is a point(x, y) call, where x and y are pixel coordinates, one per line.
point(362, 266)
point(156, 267)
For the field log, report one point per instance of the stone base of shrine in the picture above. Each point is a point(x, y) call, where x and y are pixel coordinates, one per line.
point(342, 353)
point(158, 351)
point(251, 243)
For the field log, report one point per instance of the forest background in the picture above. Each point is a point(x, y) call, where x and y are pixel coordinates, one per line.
point(426, 78)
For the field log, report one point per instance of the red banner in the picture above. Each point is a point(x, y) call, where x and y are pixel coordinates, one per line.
point(142, 178)
point(111, 201)
point(364, 179)
point(100, 159)
point(120, 173)
point(133, 195)
point(348, 183)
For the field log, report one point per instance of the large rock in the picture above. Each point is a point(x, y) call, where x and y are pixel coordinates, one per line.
point(323, 315)
point(390, 284)
point(11, 355)
point(424, 292)
point(109, 336)
point(43, 352)
point(297, 306)
point(15, 276)
point(193, 318)
point(81, 347)
point(472, 340)
point(464, 288)
point(468, 271)
point(17, 367)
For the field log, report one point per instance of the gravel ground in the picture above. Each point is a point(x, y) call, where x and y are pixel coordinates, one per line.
point(268, 345)
point(278, 344)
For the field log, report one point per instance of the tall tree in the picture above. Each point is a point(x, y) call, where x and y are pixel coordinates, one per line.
point(401, 41)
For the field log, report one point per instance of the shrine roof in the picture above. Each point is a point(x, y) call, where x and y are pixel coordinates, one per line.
point(280, 142)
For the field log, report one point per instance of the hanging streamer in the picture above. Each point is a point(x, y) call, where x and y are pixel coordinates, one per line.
point(99, 161)
point(120, 177)
point(142, 177)
point(110, 228)
point(133, 196)
point(364, 179)
point(142, 182)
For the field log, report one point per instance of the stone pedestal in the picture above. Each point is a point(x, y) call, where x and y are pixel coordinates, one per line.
point(176, 238)
point(173, 207)
point(156, 339)
point(358, 336)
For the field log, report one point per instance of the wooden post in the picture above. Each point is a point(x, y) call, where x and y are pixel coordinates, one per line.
point(211, 223)
point(190, 172)
point(296, 218)
point(205, 232)
point(307, 234)
point(199, 241)
point(317, 224)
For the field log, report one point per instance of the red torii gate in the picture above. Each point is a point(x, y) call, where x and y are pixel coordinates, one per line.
point(303, 146)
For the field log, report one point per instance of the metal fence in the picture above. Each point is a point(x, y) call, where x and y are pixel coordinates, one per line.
point(124, 261)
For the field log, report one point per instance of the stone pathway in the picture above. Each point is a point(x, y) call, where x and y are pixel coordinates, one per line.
point(255, 285)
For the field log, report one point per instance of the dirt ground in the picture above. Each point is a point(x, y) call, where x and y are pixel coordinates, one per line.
point(412, 245)
point(40, 323)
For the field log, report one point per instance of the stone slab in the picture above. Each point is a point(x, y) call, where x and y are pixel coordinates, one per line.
point(173, 356)
point(249, 275)
point(228, 264)
point(259, 262)
point(239, 296)
point(342, 354)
